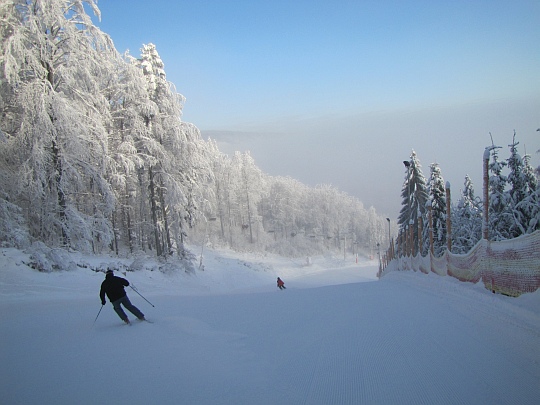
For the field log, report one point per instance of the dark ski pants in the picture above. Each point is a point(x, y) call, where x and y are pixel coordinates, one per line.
point(129, 306)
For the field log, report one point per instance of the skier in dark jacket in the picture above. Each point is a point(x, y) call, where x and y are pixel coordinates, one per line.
point(114, 288)
point(280, 284)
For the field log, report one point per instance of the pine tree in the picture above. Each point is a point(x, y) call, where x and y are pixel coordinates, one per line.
point(530, 205)
point(517, 193)
point(466, 220)
point(499, 216)
point(414, 197)
point(437, 202)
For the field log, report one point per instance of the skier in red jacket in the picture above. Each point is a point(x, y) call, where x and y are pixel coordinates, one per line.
point(280, 284)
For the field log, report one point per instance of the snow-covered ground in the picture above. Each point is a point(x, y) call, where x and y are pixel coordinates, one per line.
point(227, 335)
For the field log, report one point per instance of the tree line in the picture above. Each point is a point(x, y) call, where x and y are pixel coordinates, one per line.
point(95, 157)
point(428, 220)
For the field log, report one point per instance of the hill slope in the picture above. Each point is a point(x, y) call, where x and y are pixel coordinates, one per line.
point(228, 335)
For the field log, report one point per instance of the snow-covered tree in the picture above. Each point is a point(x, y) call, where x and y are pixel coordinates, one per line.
point(522, 196)
point(172, 150)
point(127, 98)
point(499, 217)
point(466, 220)
point(220, 198)
point(52, 57)
point(517, 193)
point(437, 202)
point(251, 187)
point(94, 154)
point(529, 207)
point(281, 207)
point(414, 197)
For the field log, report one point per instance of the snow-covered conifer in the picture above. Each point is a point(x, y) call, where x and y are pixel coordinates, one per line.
point(530, 205)
point(517, 193)
point(499, 217)
point(414, 197)
point(466, 220)
point(437, 202)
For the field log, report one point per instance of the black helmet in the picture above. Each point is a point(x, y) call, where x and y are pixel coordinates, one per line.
point(109, 272)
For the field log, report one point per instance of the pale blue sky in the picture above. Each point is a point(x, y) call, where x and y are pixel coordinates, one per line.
point(340, 92)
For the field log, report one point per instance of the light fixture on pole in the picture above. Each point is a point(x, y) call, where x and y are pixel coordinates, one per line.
point(408, 166)
point(409, 197)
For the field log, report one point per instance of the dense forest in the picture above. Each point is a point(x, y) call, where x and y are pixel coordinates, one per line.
point(95, 156)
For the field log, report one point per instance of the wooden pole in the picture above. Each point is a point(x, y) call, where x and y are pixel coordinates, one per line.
point(485, 229)
point(448, 219)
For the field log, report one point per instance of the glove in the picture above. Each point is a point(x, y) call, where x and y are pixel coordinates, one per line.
point(103, 302)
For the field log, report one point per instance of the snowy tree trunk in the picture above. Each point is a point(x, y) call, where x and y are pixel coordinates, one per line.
point(249, 215)
point(165, 219)
point(154, 209)
point(61, 197)
point(114, 243)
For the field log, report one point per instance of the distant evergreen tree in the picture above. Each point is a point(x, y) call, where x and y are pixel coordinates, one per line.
point(517, 193)
point(530, 205)
point(466, 220)
point(500, 219)
point(414, 197)
point(437, 201)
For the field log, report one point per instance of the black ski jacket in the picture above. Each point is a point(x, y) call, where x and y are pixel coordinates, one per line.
point(114, 288)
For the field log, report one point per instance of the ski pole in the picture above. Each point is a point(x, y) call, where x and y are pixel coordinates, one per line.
point(142, 296)
point(97, 316)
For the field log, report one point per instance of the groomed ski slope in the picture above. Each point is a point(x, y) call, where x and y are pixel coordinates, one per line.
point(227, 335)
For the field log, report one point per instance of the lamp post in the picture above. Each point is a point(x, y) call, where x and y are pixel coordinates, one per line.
point(408, 166)
point(201, 267)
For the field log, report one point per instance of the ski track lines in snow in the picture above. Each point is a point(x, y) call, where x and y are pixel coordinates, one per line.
point(407, 339)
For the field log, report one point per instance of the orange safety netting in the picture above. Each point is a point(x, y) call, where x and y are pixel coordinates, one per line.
point(510, 267)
